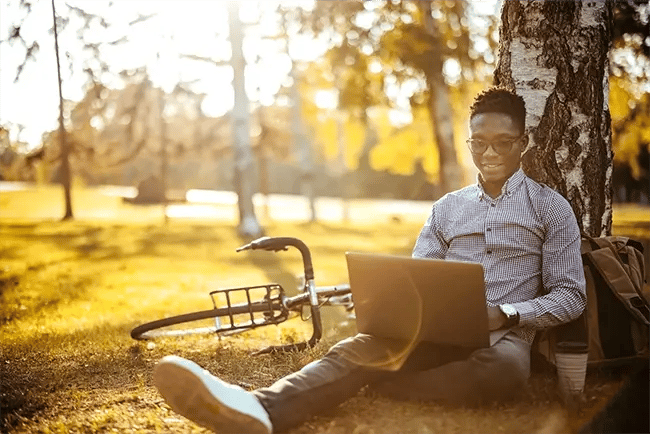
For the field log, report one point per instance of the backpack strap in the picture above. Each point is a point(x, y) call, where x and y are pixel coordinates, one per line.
point(596, 351)
point(602, 242)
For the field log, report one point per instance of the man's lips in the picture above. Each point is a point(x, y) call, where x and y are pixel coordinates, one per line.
point(491, 165)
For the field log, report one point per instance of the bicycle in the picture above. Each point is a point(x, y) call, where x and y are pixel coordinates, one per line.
point(262, 305)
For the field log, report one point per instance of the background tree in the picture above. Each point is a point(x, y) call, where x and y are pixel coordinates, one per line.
point(248, 227)
point(630, 100)
point(64, 148)
point(554, 54)
point(31, 49)
point(414, 41)
point(63, 140)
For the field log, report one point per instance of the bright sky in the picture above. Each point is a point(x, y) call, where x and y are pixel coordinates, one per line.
point(197, 27)
point(180, 27)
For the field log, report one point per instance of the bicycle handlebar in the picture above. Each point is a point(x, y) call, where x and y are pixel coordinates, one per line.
point(276, 244)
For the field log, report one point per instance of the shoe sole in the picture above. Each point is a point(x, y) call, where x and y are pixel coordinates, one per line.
point(183, 388)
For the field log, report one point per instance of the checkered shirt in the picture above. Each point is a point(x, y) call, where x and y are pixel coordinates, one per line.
point(528, 241)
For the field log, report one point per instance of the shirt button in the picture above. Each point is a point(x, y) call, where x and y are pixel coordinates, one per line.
point(493, 205)
point(489, 252)
point(489, 229)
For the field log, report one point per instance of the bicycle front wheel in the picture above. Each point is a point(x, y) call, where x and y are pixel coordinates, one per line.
point(219, 320)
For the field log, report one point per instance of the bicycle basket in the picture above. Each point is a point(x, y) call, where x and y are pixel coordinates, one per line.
point(249, 307)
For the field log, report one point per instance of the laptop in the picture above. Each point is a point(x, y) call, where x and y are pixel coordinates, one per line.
point(418, 299)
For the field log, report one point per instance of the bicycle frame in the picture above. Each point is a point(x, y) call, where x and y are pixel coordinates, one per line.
point(262, 304)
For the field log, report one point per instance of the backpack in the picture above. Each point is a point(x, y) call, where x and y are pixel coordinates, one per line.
point(613, 330)
point(618, 305)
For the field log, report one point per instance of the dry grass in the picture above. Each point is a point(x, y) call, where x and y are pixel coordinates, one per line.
point(71, 291)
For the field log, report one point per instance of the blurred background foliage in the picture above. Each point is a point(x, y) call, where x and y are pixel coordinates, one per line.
point(383, 110)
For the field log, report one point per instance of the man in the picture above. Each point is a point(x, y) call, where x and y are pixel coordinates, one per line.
point(527, 238)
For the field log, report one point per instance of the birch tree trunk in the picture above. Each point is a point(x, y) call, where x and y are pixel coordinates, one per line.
point(248, 227)
point(554, 54)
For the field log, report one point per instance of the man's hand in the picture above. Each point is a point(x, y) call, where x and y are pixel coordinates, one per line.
point(496, 318)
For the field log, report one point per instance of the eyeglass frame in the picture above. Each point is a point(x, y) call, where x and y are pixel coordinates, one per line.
point(491, 144)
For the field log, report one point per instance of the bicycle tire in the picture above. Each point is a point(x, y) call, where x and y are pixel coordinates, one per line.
point(144, 331)
point(157, 328)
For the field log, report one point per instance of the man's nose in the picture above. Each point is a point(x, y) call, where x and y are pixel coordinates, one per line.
point(489, 151)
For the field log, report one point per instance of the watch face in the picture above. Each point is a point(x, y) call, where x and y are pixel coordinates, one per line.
point(508, 310)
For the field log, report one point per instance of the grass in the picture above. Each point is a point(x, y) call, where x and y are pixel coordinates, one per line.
point(71, 291)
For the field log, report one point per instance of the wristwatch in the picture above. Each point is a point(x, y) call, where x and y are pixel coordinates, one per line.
point(512, 316)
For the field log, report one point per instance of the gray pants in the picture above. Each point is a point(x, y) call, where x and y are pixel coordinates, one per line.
point(430, 372)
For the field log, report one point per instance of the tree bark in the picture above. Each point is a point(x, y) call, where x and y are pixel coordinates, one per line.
point(66, 174)
point(554, 54)
point(248, 227)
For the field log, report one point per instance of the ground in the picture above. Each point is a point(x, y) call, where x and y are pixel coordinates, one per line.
point(71, 291)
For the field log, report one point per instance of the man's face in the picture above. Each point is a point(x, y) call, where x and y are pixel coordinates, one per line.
point(491, 128)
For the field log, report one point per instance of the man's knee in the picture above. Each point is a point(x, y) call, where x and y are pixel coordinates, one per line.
point(505, 377)
point(514, 373)
point(372, 352)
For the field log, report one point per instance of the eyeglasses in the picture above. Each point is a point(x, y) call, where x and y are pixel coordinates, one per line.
point(501, 147)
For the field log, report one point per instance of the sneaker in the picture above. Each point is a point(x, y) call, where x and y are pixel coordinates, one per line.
point(203, 398)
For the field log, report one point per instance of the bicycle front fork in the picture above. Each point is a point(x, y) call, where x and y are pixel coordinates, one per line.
point(276, 244)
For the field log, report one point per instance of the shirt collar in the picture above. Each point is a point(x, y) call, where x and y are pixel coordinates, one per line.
point(509, 186)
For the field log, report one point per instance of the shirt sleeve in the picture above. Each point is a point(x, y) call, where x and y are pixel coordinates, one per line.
point(430, 242)
point(563, 280)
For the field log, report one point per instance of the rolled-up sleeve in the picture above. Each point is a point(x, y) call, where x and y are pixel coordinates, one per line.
point(430, 242)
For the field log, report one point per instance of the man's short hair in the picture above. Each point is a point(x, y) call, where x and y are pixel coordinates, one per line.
point(500, 100)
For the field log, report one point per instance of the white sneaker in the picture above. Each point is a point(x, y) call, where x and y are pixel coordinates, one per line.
point(203, 398)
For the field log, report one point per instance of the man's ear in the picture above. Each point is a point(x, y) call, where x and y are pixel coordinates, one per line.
point(524, 143)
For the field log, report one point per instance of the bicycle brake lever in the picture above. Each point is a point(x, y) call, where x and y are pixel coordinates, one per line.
point(266, 243)
point(242, 248)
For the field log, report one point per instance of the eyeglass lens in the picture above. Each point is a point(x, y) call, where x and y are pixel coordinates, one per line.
point(500, 146)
